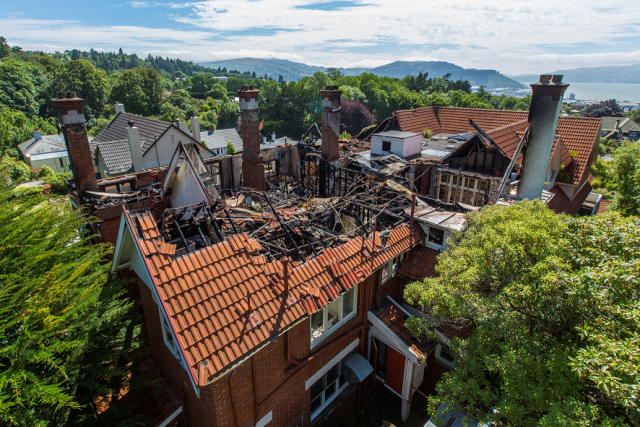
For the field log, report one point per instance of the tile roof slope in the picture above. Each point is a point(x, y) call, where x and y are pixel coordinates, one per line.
point(579, 134)
point(149, 129)
point(394, 318)
point(208, 292)
point(117, 156)
point(420, 263)
point(456, 120)
point(417, 120)
point(508, 137)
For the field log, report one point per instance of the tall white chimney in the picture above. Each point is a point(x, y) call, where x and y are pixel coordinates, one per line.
point(134, 147)
point(36, 134)
point(546, 101)
point(273, 137)
point(119, 108)
point(195, 128)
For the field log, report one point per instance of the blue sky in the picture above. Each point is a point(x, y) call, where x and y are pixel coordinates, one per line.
point(512, 36)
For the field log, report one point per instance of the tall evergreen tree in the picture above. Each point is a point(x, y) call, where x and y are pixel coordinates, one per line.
point(65, 329)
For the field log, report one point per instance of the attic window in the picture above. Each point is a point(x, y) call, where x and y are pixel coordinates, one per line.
point(386, 145)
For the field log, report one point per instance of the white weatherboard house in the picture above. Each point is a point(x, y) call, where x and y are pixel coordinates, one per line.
point(403, 144)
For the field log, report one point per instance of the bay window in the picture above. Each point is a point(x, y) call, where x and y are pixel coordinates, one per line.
point(333, 315)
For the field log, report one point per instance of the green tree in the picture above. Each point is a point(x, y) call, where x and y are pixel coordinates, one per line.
point(626, 175)
point(16, 128)
point(89, 83)
point(20, 86)
point(66, 331)
point(230, 148)
point(139, 89)
point(229, 113)
point(218, 92)
point(352, 93)
point(525, 280)
point(4, 47)
point(334, 74)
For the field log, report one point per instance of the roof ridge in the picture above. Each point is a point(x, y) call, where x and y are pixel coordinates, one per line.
point(508, 126)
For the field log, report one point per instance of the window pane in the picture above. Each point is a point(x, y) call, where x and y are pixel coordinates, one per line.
point(333, 373)
point(316, 403)
point(333, 314)
point(317, 387)
point(483, 185)
point(317, 325)
point(454, 181)
point(348, 300)
point(385, 270)
point(436, 235)
point(443, 178)
point(472, 183)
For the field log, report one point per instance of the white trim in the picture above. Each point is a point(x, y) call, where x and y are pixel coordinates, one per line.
point(171, 417)
point(46, 156)
point(265, 420)
point(315, 377)
point(441, 359)
point(325, 316)
point(396, 342)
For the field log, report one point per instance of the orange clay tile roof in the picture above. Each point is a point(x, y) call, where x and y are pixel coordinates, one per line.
point(604, 206)
point(420, 263)
point(394, 318)
point(225, 300)
point(508, 137)
point(578, 134)
point(417, 120)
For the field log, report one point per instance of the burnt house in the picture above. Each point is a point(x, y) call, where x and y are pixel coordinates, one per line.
point(272, 280)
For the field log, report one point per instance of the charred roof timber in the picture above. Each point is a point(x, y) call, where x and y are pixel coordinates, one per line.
point(292, 226)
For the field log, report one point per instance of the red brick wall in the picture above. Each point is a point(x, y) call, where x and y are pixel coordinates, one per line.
point(275, 389)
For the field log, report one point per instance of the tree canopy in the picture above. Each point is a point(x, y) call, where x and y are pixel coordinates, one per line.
point(544, 295)
point(66, 330)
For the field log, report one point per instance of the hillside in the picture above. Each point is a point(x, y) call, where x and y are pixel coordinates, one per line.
point(295, 71)
point(607, 74)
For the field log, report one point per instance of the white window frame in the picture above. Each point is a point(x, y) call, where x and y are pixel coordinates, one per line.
point(392, 268)
point(342, 319)
point(441, 359)
point(434, 245)
point(633, 133)
point(338, 389)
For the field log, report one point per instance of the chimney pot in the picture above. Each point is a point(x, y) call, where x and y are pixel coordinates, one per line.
point(212, 128)
point(557, 78)
point(71, 95)
point(545, 78)
point(178, 122)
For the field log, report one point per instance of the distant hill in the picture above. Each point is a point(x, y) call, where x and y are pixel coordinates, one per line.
point(295, 71)
point(607, 74)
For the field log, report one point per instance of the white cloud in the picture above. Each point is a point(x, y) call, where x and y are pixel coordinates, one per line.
point(512, 36)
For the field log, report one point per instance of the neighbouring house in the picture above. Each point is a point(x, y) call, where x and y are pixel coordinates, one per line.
point(48, 150)
point(628, 106)
point(158, 141)
point(217, 140)
point(272, 280)
point(620, 128)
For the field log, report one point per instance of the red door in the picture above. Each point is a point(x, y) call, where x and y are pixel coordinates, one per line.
point(394, 377)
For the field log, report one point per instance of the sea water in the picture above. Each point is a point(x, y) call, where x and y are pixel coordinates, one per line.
point(603, 91)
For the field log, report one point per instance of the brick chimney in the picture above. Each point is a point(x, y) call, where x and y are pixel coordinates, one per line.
point(546, 101)
point(330, 122)
point(252, 168)
point(72, 121)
